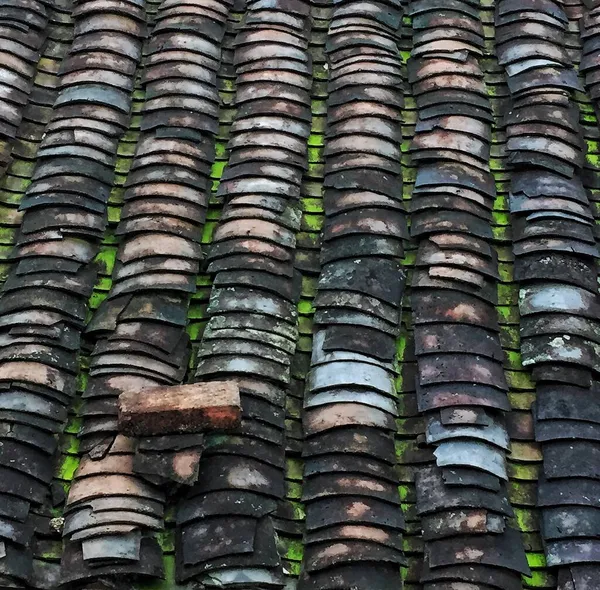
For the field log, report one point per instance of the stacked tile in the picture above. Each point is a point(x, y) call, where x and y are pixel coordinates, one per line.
point(589, 26)
point(589, 107)
point(590, 58)
point(251, 334)
point(574, 11)
point(35, 116)
point(353, 516)
point(289, 523)
point(555, 264)
point(46, 545)
point(461, 386)
point(23, 28)
point(308, 239)
point(44, 301)
point(226, 87)
point(116, 504)
point(524, 460)
point(46, 83)
point(140, 327)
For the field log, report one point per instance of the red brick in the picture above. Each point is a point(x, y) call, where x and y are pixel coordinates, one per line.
point(197, 407)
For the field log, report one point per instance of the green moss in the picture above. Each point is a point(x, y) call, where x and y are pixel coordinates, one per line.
point(519, 380)
point(293, 469)
point(294, 568)
point(208, 231)
point(116, 196)
point(114, 214)
point(521, 401)
point(536, 560)
point(501, 233)
point(513, 360)
point(313, 222)
point(82, 379)
point(309, 286)
point(409, 258)
point(96, 299)
point(305, 324)
point(7, 235)
point(294, 550)
point(522, 493)
point(404, 492)
point(4, 270)
point(22, 168)
point(217, 168)
point(52, 551)
point(305, 307)
point(401, 345)
point(15, 184)
point(293, 490)
point(166, 541)
point(71, 445)
point(203, 280)
point(316, 140)
point(509, 336)
point(508, 314)
point(403, 447)
point(523, 471)
point(8, 197)
point(318, 106)
point(506, 272)
point(298, 510)
point(508, 294)
point(68, 467)
point(73, 425)
point(315, 154)
point(525, 451)
point(501, 218)
point(539, 579)
point(527, 519)
point(304, 343)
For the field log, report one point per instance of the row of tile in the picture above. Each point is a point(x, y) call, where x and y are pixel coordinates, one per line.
point(117, 500)
point(307, 263)
point(590, 58)
point(36, 115)
point(354, 521)
point(23, 30)
point(43, 304)
point(251, 334)
point(555, 251)
point(460, 383)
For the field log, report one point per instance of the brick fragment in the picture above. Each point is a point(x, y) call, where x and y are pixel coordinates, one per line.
point(196, 407)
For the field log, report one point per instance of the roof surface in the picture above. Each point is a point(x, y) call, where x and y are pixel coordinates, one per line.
point(377, 217)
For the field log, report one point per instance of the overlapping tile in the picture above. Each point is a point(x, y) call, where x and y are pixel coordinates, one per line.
point(117, 501)
point(34, 116)
point(289, 522)
point(43, 303)
point(568, 410)
point(23, 30)
point(252, 329)
point(555, 263)
point(353, 515)
point(461, 386)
